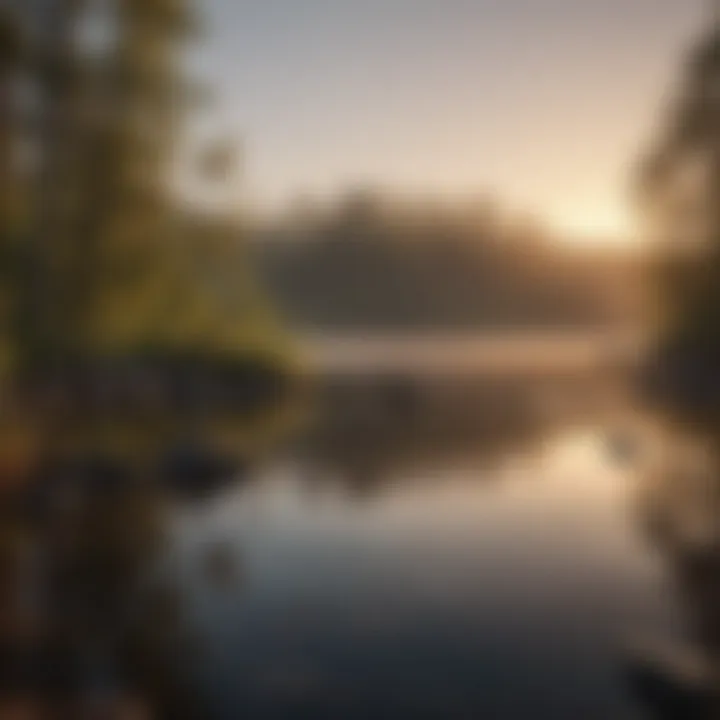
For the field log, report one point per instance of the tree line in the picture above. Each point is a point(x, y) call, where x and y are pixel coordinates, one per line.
point(369, 261)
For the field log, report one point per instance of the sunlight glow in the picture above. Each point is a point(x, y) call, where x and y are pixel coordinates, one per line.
point(596, 227)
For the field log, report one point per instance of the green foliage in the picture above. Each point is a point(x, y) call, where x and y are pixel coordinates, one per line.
point(111, 265)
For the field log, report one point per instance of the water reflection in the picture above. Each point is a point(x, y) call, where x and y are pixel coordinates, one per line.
point(440, 550)
point(370, 429)
point(387, 573)
point(94, 620)
point(680, 514)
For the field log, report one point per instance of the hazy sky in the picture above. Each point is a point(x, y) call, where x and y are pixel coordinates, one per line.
point(540, 102)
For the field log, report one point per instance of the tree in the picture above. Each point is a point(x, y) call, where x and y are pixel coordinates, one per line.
point(680, 189)
point(104, 278)
point(114, 268)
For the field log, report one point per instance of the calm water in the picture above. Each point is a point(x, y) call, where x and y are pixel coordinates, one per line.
point(444, 589)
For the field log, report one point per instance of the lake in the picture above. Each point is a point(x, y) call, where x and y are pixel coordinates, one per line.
point(461, 553)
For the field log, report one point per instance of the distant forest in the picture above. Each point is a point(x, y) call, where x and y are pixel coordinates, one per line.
point(369, 263)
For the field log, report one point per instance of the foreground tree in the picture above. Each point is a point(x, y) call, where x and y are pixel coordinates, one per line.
point(680, 189)
point(123, 343)
point(108, 273)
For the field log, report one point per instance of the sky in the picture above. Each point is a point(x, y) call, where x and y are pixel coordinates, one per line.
point(542, 104)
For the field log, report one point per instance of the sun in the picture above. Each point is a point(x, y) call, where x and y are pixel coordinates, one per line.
point(595, 227)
